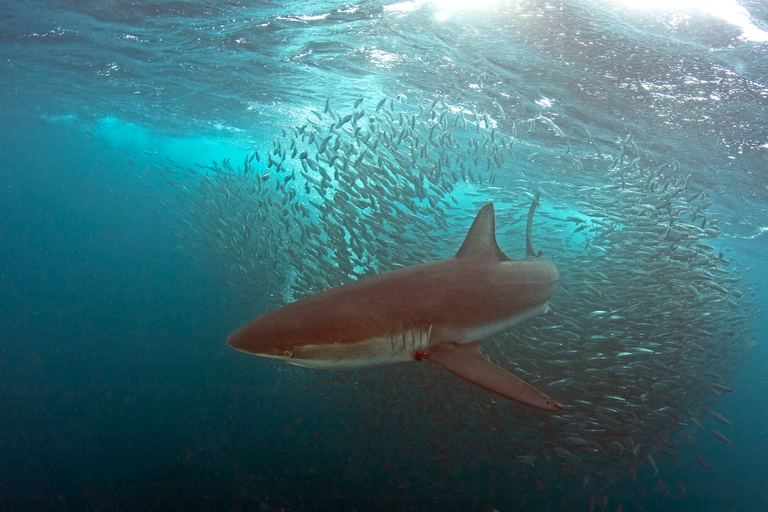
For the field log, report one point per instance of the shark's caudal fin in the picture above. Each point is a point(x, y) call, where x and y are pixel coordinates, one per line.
point(481, 238)
point(529, 252)
point(466, 361)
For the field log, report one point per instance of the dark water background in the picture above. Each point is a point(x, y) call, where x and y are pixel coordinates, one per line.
point(117, 390)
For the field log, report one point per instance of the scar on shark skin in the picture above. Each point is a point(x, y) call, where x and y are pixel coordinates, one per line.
point(436, 312)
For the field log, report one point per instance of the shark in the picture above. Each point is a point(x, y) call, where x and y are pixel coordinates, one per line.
point(436, 312)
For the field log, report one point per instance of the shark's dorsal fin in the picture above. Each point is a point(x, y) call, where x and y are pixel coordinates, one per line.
point(481, 238)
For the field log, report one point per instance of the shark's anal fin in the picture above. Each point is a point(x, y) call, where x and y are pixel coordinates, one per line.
point(466, 361)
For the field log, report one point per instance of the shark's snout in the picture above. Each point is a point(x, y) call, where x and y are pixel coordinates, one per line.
point(238, 340)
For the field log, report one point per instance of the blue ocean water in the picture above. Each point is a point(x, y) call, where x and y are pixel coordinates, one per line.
point(117, 388)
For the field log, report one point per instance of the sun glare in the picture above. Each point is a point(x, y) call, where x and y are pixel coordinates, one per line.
point(457, 5)
point(445, 8)
point(730, 11)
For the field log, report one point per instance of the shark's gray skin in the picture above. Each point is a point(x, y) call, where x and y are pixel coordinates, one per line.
point(437, 311)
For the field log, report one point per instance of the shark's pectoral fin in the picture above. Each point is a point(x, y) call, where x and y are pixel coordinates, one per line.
point(466, 361)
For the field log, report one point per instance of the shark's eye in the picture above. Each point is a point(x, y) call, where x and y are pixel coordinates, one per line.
point(287, 353)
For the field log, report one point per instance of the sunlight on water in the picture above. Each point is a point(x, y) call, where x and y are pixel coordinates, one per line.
point(728, 10)
point(449, 7)
point(445, 7)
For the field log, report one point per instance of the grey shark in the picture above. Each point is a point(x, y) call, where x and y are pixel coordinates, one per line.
point(436, 312)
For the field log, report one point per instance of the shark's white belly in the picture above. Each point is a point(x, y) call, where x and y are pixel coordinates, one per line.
point(482, 332)
point(400, 346)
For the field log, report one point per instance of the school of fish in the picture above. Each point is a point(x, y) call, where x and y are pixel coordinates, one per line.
point(651, 320)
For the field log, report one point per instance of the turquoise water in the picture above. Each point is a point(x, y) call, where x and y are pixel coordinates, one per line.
point(120, 278)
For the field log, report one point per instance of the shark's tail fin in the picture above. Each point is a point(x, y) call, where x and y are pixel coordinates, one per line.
point(529, 252)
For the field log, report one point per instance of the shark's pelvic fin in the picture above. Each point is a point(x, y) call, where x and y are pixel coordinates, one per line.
point(481, 238)
point(466, 361)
